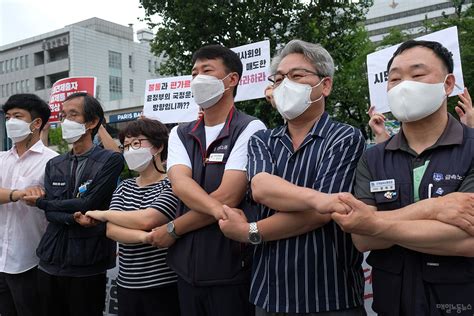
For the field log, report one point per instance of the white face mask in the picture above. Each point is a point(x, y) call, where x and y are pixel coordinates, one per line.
point(293, 98)
point(72, 130)
point(411, 101)
point(207, 90)
point(17, 130)
point(138, 159)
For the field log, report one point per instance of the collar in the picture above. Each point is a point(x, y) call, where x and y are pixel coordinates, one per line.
point(320, 127)
point(452, 135)
point(38, 147)
point(81, 156)
point(200, 122)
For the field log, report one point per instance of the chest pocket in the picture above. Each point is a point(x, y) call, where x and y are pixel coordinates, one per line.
point(391, 200)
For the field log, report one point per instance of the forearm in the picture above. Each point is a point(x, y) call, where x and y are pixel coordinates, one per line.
point(380, 138)
point(367, 243)
point(429, 236)
point(191, 221)
point(107, 140)
point(191, 193)
point(4, 196)
point(283, 225)
point(139, 219)
point(60, 218)
point(277, 193)
point(125, 235)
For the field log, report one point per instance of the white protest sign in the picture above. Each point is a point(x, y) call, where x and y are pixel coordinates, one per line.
point(256, 63)
point(170, 99)
point(377, 67)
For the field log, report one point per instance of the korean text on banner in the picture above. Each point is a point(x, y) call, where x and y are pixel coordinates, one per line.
point(62, 88)
point(170, 99)
point(378, 74)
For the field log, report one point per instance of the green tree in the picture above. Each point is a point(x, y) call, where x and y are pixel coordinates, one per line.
point(464, 20)
point(185, 26)
point(56, 139)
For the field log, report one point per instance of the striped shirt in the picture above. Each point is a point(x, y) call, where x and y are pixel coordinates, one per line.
point(321, 270)
point(143, 266)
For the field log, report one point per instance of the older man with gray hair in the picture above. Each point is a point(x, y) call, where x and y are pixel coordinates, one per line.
point(304, 264)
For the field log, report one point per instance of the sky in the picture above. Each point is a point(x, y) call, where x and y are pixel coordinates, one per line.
point(21, 19)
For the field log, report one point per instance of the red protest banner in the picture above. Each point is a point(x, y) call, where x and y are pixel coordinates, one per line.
point(62, 88)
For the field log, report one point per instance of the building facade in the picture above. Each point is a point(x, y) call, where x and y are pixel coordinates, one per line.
point(405, 15)
point(93, 47)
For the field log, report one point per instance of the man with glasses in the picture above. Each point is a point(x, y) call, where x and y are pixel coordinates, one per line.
point(303, 264)
point(207, 160)
point(75, 252)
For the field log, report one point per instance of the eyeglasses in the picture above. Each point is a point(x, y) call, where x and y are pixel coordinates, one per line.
point(294, 75)
point(135, 144)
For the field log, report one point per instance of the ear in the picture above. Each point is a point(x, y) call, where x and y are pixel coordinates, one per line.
point(327, 86)
point(92, 124)
point(36, 125)
point(233, 79)
point(449, 84)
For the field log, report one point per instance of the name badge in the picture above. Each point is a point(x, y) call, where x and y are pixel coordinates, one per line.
point(216, 158)
point(382, 185)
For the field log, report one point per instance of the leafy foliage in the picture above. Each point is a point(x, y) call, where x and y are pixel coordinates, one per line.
point(185, 26)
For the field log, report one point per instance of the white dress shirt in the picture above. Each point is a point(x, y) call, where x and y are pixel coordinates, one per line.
point(21, 226)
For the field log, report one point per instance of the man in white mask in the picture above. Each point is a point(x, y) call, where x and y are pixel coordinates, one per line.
point(75, 252)
point(419, 228)
point(303, 264)
point(21, 226)
point(207, 160)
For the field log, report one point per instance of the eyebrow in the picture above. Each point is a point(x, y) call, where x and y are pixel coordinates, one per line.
point(203, 66)
point(415, 66)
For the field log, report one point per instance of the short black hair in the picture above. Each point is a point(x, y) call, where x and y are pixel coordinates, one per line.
point(31, 103)
point(230, 59)
point(92, 109)
point(155, 131)
point(442, 52)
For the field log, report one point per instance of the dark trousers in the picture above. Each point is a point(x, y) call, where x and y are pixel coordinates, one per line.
point(71, 296)
point(219, 300)
point(358, 311)
point(18, 294)
point(161, 301)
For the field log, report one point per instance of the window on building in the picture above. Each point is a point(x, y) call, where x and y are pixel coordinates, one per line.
point(22, 86)
point(39, 83)
point(39, 58)
point(115, 87)
point(156, 66)
point(149, 65)
point(11, 88)
point(17, 87)
point(131, 85)
point(58, 53)
point(115, 60)
point(17, 64)
point(22, 62)
point(27, 85)
point(12, 64)
point(1, 67)
point(1, 90)
point(26, 61)
point(130, 61)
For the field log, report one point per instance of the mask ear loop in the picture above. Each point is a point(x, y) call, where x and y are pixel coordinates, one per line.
point(225, 89)
point(316, 85)
point(154, 163)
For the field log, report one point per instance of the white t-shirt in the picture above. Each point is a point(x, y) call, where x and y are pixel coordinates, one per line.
point(177, 154)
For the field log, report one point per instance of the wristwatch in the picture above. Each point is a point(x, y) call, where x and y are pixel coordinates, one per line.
point(254, 236)
point(171, 230)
